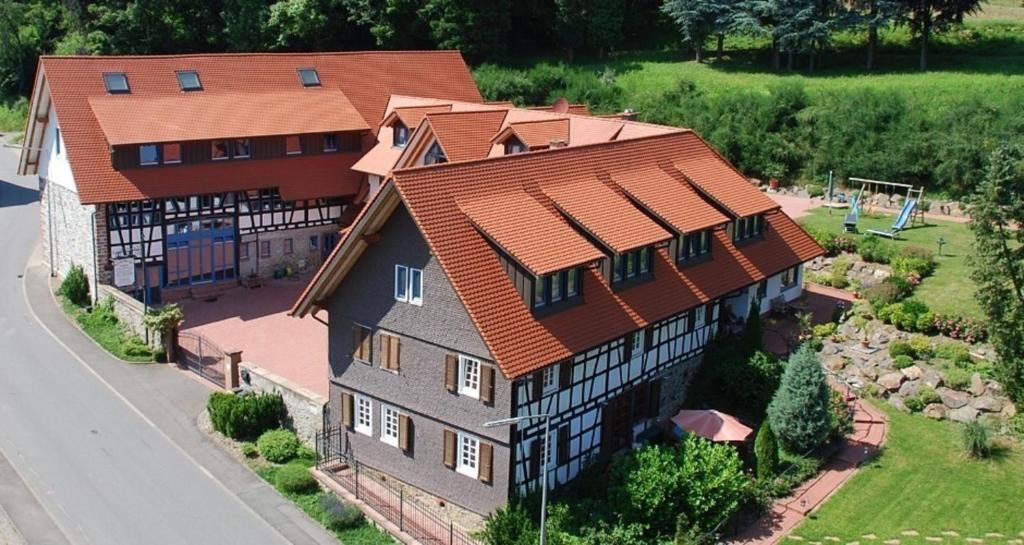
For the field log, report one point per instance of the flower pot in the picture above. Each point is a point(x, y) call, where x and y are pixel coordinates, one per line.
point(773, 184)
point(865, 343)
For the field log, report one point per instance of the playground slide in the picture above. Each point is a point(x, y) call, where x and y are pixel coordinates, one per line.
point(901, 220)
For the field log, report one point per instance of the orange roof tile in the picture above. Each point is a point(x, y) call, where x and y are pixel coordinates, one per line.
point(379, 160)
point(410, 116)
point(718, 179)
point(534, 236)
point(521, 342)
point(367, 79)
point(605, 214)
point(671, 200)
point(466, 135)
point(129, 119)
point(536, 134)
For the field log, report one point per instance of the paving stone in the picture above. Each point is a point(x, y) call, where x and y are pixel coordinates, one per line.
point(996, 535)
point(951, 533)
point(794, 537)
point(831, 538)
point(974, 540)
point(933, 539)
point(891, 542)
point(910, 533)
point(869, 536)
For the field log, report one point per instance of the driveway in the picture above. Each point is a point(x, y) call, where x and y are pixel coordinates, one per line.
point(108, 453)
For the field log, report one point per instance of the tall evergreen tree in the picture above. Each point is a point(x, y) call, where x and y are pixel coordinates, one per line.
point(875, 15)
point(997, 212)
point(752, 333)
point(766, 451)
point(477, 28)
point(696, 21)
point(926, 17)
point(799, 412)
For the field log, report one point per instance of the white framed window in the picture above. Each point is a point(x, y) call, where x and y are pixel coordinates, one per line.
point(699, 316)
point(364, 415)
point(468, 460)
point(469, 377)
point(389, 425)
point(549, 378)
point(408, 285)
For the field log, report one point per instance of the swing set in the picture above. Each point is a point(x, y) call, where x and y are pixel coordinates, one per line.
point(911, 212)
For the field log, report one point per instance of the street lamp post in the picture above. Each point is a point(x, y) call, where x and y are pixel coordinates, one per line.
point(544, 461)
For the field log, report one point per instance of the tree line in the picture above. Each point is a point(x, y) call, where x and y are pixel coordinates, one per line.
point(806, 27)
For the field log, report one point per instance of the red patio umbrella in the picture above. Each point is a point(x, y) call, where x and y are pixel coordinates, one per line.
point(713, 425)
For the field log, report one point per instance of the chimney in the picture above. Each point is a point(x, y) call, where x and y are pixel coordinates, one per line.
point(558, 143)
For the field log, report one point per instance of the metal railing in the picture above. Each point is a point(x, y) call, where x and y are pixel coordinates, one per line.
point(383, 497)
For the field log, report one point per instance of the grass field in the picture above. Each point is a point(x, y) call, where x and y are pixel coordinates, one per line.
point(949, 290)
point(923, 482)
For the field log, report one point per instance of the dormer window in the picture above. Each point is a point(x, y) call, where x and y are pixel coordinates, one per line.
point(309, 77)
point(330, 142)
point(748, 227)
point(188, 80)
point(694, 245)
point(435, 155)
point(514, 145)
point(292, 145)
point(116, 83)
point(632, 265)
point(399, 135)
point(556, 288)
point(149, 154)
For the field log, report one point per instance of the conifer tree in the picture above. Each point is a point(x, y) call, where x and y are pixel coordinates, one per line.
point(766, 450)
point(799, 412)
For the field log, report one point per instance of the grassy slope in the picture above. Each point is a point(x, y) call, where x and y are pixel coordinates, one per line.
point(949, 290)
point(110, 335)
point(923, 482)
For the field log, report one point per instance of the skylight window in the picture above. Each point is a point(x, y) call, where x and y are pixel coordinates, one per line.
point(309, 77)
point(116, 82)
point(188, 80)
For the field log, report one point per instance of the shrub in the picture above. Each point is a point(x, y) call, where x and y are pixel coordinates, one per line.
point(245, 416)
point(75, 286)
point(928, 396)
point(815, 190)
point(834, 243)
point(799, 412)
point(278, 446)
point(135, 347)
point(956, 378)
point(837, 278)
point(913, 404)
point(294, 479)
point(902, 361)
point(873, 250)
point(958, 327)
point(509, 525)
point(339, 515)
point(922, 347)
point(825, 330)
point(885, 293)
point(766, 450)
point(977, 440)
point(954, 352)
point(736, 382)
point(913, 260)
point(910, 315)
point(249, 449)
point(751, 337)
point(840, 416)
point(165, 318)
point(698, 478)
point(900, 348)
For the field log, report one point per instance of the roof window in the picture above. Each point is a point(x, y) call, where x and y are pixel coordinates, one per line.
point(309, 77)
point(188, 80)
point(116, 82)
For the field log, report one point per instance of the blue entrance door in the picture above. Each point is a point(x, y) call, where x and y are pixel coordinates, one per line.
point(200, 251)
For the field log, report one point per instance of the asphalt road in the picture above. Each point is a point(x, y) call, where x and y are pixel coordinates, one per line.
point(95, 465)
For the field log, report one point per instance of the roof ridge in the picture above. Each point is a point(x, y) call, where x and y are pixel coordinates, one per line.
point(566, 119)
point(525, 156)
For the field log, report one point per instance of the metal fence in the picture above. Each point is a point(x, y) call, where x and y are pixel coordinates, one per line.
point(202, 357)
point(384, 498)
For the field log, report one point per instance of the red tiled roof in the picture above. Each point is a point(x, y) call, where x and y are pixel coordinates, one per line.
point(536, 134)
point(522, 343)
point(466, 135)
point(379, 160)
point(671, 200)
point(366, 78)
point(576, 109)
point(715, 177)
point(534, 236)
point(410, 116)
point(129, 119)
point(605, 214)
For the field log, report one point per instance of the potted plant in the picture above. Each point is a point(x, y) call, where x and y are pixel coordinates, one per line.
point(774, 172)
point(166, 320)
point(866, 331)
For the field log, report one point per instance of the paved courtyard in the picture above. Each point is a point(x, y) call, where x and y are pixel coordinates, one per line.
point(256, 321)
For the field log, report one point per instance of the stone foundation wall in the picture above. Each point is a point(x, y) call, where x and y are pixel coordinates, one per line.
point(130, 313)
point(305, 408)
point(676, 383)
point(302, 258)
point(66, 231)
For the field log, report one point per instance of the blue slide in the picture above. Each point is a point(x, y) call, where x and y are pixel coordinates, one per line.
point(901, 220)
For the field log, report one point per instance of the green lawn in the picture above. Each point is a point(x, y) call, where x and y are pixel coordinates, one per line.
point(949, 290)
point(923, 482)
point(102, 326)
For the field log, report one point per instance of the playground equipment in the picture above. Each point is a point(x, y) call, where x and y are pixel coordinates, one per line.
point(911, 211)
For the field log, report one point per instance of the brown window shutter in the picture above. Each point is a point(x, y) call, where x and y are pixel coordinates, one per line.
point(357, 342)
point(404, 432)
point(346, 409)
point(449, 449)
point(648, 338)
point(486, 458)
point(563, 445)
point(385, 341)
point(487, 384)
point(394, 354)
point(451, 373)
point(538, 384)
point(565, 374)
point(367, 345)
point(534, 461)
point(654, 399)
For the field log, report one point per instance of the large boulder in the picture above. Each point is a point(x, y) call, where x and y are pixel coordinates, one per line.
point(896, 400)
point(964, 414)
point(953, 399)
point(932, 378)
point(936, 411)
point(835, 363)
point(893, 381)
point(1009, 411)
point(913, 372)
point(910, 388)
point(977, 385)
point(987, 404)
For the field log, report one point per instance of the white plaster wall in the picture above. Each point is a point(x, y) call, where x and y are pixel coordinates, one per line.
point(55, 166)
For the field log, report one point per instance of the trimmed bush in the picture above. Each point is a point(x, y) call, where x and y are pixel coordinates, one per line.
point(246, 416)
point(766, 450)
point(900, 348)
point(75, 286)
point(977, 440)
point(339, 515)
point(799, 412)
point(278, 446)
point(902, 361)
point(874, 250)
point(294, 479)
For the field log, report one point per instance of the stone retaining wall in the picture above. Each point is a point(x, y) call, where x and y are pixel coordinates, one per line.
point(305, 408)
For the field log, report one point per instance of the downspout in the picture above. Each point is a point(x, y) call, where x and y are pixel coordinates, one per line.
point(95, 258)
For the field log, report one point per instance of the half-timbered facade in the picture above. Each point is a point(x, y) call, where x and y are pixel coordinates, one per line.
point(581, 280)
